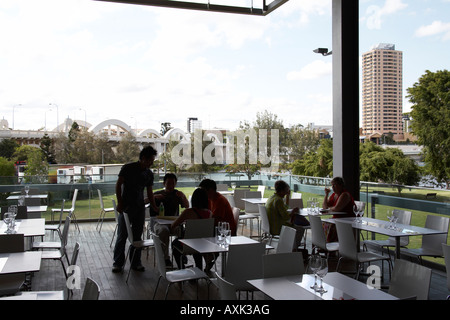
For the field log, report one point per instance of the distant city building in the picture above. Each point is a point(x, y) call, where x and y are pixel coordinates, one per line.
point(382, 88)
point(193, 124)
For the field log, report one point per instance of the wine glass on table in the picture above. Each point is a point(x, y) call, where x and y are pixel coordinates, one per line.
point(314, 265)
point(27, 189)
point(7, 221)
point(322, 272)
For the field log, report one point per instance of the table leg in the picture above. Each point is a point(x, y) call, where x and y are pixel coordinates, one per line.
point(397, 247)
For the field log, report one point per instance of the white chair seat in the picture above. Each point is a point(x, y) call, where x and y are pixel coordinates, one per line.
point(51, 254)
point(366, 256)
point(332, 246)
point(42, 295)
point(47, 245)
point(143, 243)
point(422, 252)
point(185, 274)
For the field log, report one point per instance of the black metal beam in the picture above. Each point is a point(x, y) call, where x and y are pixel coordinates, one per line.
point(206, 6)
point(346, 93)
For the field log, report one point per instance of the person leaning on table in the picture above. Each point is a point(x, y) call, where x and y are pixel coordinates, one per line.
point(340, 201)
point(278, 214)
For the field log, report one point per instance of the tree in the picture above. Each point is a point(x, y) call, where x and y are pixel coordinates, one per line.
point(6, 167)
point(430, 111)
point(7, 148)
point(128, 149)
point(37, 167)
point(46, 148)
point(316, 163)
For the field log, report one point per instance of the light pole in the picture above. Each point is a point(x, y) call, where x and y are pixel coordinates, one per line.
point(14, 106)
point(85, 125)
point(57, 111)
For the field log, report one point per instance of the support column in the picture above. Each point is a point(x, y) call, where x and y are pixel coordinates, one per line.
point(346, 93)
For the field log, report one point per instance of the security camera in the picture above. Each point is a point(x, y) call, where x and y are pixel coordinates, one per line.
point(322, 51)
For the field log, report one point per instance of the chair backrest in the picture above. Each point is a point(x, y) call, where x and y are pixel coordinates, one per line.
point(22, 212)
point(128, 226)
point(403, 217)
point(261, 189)
point(76, 250)
point(286, 243)
point(236, 213)
point(296, 203)
point(227, 291)
point(74, 199)
point(160, 260)
point(265, 226)
point(318, 238)
point(100, 198)
point(446, 251)
point(410, 279)
point(347, 241)
point(199, 228)
point(32, 201)
point(12, 243)
point(65, 233)
point(283, 264)
point(244, 262)
point(116, 213)
point(250, 207)
point(434, 241)
point(230, 199)
point(238, 195)
point(91, 290)
point(221, 187)
point(296, 195)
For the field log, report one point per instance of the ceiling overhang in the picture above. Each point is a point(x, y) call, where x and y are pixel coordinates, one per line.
point(263, 10)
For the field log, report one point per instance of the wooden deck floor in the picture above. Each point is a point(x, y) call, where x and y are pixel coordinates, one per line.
point(95, 261)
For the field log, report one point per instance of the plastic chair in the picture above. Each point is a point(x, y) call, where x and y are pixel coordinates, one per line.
point(227, 291)
point(103, 211)
point(91, 290)
point(265, 226)
point(431, 244)
point(251, 211)
point(318, 238)
point(139, 244)
point(57, 227)
point(175, 276)
point(446, 250)
point(283, 265)
point(348, 250)
point(244, 262)
point(116, 216)
point(238, 195)
point(55, 244)
point(221, 187)
point(261, 189)
point(410, 280)
point(71, 210)
point(236, 214)
point(230, 199)
point(403, 217)
point(286, 242)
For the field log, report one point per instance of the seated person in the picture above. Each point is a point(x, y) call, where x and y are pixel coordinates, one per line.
point(340, 201)
point(219, 205)
point(172, 199)
point(278, 214)
point(199, 210)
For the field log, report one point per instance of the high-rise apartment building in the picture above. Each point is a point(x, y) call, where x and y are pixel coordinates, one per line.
point(382, 88)
point(193, 124)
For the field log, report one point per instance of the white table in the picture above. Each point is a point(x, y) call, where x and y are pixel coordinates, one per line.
point(305, 212)
point(225, 192)
point(36, 295)
point(31, 196)
point(382, 227)
point(338, 286)
point(19, 262)
point(29, 227)
point(255, 200)
point(209, 245)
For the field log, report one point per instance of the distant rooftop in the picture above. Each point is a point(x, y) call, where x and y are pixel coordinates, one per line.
point(384, 46)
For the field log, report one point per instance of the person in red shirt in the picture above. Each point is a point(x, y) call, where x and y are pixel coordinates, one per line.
point(219, 205)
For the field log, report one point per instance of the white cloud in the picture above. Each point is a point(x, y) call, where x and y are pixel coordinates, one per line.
point(314, 70)
point(375, 14)
point(435, 28)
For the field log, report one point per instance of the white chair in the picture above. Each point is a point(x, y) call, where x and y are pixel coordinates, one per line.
point(261, 189)
point(244, 262)
point(265, 226)
point(348, 250)
point(221, 187)
point(227, 291)
point(116, 217)
point(91, 290)
point(230, 199)
point(251, 211)
point(296, 195)
point(410, 280)
point(138, 245)
point(103, 211)
point(57, 227)
point(318, 238)
point(175, 276)
point(404, 217)
point(446, 250)
point(236, 214)
point(283, 264)
point(238, 195)
point(11, 283)
point(286, 242)
point(431, 244)
point(71, 210)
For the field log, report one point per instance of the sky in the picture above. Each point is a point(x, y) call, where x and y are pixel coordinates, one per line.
point(94, 61)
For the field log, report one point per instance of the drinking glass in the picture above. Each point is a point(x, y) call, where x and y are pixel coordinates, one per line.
point(390, 216)
point(233, 185)
point(219, 232)
point(12, 214)
point(314, 265)
point(309, 206)
point(322, 272)
point(27, 189)
point(7, 221)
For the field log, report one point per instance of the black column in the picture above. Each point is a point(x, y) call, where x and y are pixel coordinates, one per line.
point(346, 93)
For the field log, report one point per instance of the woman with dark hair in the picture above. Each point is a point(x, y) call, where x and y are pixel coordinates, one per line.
point(199, 210)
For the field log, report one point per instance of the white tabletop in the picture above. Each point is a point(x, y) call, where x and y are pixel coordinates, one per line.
point(36, 209)
point(31, 196)
point(226, 192)
point(255, 200)
point(306, 212)
point(29, 227)
point(338, 286)
point(18, 262)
